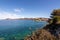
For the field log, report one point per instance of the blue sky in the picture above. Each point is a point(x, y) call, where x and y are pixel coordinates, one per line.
point(27, 8)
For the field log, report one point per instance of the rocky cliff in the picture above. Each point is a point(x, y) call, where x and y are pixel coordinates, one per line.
point(50, 31)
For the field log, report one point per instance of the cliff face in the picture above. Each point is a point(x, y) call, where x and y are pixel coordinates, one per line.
point(50, 32)
point(54, 29)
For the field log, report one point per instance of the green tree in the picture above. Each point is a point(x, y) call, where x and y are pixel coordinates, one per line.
point(55, 16)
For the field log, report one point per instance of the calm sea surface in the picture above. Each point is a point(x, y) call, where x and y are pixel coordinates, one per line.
point(19, 28)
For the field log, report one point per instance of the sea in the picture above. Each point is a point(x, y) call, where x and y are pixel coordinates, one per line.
point(19, 29)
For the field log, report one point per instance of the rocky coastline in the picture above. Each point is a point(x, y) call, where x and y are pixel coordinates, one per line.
point(50, 31)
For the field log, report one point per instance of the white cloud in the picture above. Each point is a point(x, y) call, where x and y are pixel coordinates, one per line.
point(18, 10)
point(4, 15)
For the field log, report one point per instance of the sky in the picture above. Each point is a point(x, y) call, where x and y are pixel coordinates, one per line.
point(27, 8)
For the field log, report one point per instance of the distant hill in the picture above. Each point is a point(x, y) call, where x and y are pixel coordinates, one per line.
point(40, 19)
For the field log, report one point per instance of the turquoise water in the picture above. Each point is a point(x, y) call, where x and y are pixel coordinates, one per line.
point(19, 28)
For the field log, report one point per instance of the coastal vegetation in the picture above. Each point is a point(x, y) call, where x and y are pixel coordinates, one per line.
point(50, 31)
